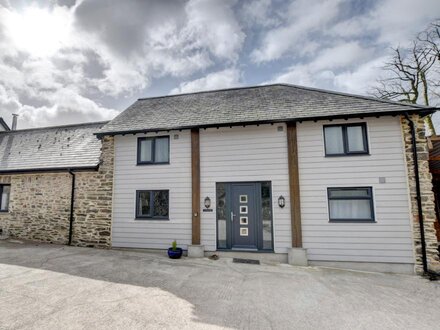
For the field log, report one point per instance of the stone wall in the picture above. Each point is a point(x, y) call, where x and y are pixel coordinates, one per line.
point(427, 195)
point(93, 202)
point(39, 207)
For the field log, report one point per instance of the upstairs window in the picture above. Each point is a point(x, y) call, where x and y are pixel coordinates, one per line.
point(152, 204)
point(5, 191)
point(346, 139)
point(351, 204)
point(153, 150)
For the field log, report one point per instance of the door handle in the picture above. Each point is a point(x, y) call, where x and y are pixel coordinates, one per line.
point(232, 216)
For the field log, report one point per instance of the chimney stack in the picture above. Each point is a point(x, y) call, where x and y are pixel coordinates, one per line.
point(14, 121)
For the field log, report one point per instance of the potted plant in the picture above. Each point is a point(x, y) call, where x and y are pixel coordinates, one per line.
point(174, 252)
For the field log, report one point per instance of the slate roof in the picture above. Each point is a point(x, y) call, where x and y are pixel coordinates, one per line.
point(270, 103)
point(50, 148)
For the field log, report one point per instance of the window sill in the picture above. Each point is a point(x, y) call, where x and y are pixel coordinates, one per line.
point(352, 221)
point(151, 219)
point(349, 155)
point(162, 163)
point(4, 211)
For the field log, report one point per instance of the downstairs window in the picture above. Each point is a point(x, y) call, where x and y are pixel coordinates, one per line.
point(152, 204)
point(350, 204)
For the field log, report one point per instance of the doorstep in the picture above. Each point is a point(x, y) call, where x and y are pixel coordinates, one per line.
point(263, 257)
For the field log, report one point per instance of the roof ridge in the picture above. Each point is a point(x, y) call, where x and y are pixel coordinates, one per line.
point(55, 127)
point(327, 91)
point(209, 91)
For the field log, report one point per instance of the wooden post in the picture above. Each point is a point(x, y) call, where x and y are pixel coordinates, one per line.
point(295, 207)
point(195, 185)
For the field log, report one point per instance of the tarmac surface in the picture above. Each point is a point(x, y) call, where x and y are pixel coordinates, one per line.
point(59, 287)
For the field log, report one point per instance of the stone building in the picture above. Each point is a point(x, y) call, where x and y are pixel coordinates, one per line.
point(56, 185)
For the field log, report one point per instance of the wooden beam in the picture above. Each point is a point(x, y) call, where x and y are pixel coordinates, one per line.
point(434, 158)
point(295, 207)
point(195, 185)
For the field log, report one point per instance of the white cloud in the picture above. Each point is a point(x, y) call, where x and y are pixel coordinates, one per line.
point(258, 12)
point(399, 20)
point(325, 69)
point(302, 18)
point(360, 79)
point(54, 58)
point(215, 80)
point(212, 25)
point(342, 55)
point(67, 106)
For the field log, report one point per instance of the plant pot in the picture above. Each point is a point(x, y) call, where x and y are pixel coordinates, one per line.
point(175, 254)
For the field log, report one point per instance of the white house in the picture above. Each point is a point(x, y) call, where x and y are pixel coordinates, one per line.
point(278, 169)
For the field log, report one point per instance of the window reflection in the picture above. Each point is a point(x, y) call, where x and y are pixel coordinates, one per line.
point(221, 215)
point(267, 215)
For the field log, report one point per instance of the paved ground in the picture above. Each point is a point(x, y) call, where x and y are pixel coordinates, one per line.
point(59, 287)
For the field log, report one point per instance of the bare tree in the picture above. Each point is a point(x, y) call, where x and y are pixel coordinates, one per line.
point(413, 73)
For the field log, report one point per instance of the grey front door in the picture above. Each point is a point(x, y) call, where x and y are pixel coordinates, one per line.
point(244, 216)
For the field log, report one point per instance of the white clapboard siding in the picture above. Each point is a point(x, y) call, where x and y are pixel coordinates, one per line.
point(240, 154)
point(387, 240)
point(175, 177)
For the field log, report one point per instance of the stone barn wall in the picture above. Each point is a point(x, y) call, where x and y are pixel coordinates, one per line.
point(427, 194)
point(39, 206)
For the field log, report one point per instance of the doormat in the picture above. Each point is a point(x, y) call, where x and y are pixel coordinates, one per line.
point(246, 261)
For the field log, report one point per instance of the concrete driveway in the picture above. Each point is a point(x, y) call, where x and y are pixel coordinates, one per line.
point(59, 287)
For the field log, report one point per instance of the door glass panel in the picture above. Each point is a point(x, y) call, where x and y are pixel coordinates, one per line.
point(267, 215)
point(267, 234)
point(221, 216)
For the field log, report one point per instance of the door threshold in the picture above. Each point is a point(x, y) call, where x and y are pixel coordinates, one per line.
point(265, 257)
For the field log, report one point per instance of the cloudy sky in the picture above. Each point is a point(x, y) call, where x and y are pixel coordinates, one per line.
point(70, 61)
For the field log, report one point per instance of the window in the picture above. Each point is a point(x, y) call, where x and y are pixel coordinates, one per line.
point(5, 191)
point(153, 150)
point(347, 139)
point(351, 204)
point(152, 204)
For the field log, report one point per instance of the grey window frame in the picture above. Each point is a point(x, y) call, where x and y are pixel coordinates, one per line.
point(1, 193)
point(345, 140)
point(152, 216)
point(153, 150)
point(369, 197)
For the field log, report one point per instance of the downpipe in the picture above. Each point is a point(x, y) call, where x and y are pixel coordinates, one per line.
point(72, 202)
point(431, 274)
